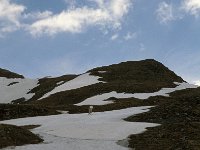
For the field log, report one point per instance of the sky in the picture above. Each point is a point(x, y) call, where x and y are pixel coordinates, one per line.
point(56, 37)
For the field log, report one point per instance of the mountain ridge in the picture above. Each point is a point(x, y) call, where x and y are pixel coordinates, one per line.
point(9, 74)
point(130, 77)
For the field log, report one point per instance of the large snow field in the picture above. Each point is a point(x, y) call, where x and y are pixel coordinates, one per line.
point(98, 131)
point(17, 90)
point(80, 81)
point(100, 99)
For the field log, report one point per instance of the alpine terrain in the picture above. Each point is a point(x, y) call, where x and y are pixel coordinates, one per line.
point(139, 105)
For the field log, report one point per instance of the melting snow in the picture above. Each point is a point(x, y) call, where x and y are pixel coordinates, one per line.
point(61, 82)
point(80, 81)
point(100, 99)
point(166, 91)
point(98, 131)
point(17, 90)
point(102, 71)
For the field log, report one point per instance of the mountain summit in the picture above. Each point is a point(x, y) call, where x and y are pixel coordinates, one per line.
point(144, 76)
point(137, 71)
point(127, 77)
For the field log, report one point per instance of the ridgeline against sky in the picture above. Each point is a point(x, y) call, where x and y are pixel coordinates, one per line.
point(39, 38)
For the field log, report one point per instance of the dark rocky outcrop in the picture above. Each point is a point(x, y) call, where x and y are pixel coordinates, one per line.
point(9, 74)
point(11, 135)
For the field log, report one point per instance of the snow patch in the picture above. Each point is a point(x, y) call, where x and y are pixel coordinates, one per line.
point(98, 131)
point(17, 90)
point(102, 71)
point(166, 91)
point(100, 99)
point(62, 111)
point(80, 81)
point(197, 82)
point(61, 82)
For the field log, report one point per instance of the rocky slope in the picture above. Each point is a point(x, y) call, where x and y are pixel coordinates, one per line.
point(180, 119)
point(9, 74)
point(11, 135)
point(128, 77)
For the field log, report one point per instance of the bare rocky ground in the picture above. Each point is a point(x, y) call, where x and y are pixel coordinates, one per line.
point(179, 116)
point(11, 135)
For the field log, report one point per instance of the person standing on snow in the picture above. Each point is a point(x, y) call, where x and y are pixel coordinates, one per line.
point(90, 110)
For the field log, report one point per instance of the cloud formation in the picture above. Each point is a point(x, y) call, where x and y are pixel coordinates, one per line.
point(75, 20)
point(192, 7)
point(37, 15)
point(10, 14)
point(105, 14)
point(170, 12)
point(165, 13)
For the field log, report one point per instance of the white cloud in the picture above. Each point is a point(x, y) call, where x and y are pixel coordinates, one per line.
point(106, 14)
point(165, 13)
point(102, 13)
point(38, 15)
point(170, 12)
point(192, 7)
point(114, 37)
point(129, 36)
point(197, 82)
point(119, 7)
point(69, 21)
point(10, 14)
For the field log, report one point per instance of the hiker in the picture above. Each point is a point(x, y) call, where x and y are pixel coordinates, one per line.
point(90, 110)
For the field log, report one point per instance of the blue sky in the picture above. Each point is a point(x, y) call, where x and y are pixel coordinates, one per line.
point(42, 38)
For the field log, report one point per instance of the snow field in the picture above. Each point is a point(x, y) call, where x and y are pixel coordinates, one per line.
point(82, 131)
point(80, 81)
point(17, 90)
